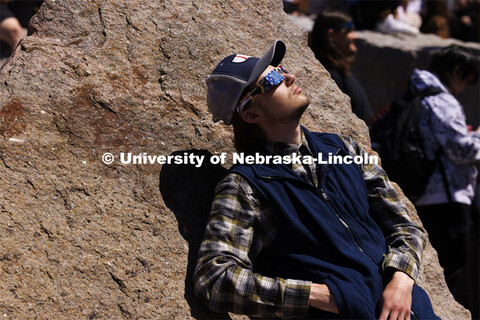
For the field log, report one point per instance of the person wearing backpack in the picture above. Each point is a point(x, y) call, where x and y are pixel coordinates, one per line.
point(445, 205)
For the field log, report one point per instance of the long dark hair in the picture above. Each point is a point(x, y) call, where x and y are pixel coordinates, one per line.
point(454, 58)
point(324, 51)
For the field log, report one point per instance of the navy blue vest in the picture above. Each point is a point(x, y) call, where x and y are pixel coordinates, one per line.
point(325, 234)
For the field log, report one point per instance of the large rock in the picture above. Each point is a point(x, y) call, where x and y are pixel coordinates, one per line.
point(84, 240)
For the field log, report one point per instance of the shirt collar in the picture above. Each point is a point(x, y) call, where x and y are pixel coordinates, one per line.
point(281, 148)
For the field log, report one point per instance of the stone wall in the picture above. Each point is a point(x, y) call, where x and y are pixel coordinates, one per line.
point(80, 239)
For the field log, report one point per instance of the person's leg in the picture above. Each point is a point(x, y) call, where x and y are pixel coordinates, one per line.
point(468, 288)
point(448, 229)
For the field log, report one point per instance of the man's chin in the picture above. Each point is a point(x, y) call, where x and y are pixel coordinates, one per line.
point(305, 104)
point(301, 109)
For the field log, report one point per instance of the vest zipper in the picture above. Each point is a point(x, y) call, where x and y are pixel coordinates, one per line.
point(327, 200)
point(324, 195)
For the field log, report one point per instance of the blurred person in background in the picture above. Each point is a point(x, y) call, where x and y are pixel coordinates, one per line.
point(436, 18)
point(461, 23)
point(25, 9)
point(408, 12)
point(332, 40)
point(14, 18)
point(445, 206)
point(464, 24)
point(11, 31)
point(290, 6)
point(381, 15)
point(343, 5)
point(393, 19)
point(296, 7)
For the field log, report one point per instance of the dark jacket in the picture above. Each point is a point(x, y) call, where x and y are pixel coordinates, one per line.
point(358, 97)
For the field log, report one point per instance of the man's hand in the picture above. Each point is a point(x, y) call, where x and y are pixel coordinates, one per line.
point(397, 297)
point(321, 298)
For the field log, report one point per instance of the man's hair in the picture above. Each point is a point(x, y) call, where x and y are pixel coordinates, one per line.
point(324, 51)
point(247, 136)
point(452, 59)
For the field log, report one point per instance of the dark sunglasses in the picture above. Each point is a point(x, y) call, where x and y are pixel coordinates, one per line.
point(347, 26)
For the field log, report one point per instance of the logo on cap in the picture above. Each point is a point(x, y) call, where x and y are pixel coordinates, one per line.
point(239, 58)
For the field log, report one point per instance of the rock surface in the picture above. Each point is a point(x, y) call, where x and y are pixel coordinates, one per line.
point(80, 239)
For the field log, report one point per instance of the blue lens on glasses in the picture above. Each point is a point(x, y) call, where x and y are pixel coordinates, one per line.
point(269, 81)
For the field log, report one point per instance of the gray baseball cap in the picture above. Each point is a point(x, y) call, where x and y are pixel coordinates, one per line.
point(235, 73)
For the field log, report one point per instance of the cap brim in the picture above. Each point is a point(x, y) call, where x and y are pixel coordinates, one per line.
point(273, 57)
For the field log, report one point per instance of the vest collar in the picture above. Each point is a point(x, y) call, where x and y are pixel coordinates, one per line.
point(317, 145)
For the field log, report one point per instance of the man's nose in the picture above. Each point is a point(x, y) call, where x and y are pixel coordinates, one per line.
point(289, 79)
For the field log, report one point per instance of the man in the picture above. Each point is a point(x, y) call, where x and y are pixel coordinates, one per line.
point(301, 240)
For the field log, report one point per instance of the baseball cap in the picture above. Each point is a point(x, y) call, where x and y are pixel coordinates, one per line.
point(232, 75)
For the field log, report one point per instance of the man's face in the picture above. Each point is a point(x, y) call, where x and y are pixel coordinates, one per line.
point(283, 103)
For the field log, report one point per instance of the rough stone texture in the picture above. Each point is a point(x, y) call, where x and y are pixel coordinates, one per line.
point(385, 63)
point(83, 240)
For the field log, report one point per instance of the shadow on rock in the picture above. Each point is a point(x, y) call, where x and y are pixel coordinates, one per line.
point(188, 191)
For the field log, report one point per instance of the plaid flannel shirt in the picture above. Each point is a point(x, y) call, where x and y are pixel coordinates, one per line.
point(242, 223)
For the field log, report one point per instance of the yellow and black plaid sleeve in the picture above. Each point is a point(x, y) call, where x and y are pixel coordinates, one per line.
point(239, 225)
point(405, 239)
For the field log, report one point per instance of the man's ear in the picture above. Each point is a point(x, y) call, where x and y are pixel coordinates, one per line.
point(252, 115)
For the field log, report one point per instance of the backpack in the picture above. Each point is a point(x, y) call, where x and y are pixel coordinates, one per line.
point(395, 135)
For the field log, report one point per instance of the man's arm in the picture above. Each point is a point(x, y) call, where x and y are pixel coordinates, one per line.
point(405, 239)
point(322, 298)
point(397, 297)
point(236, 231)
